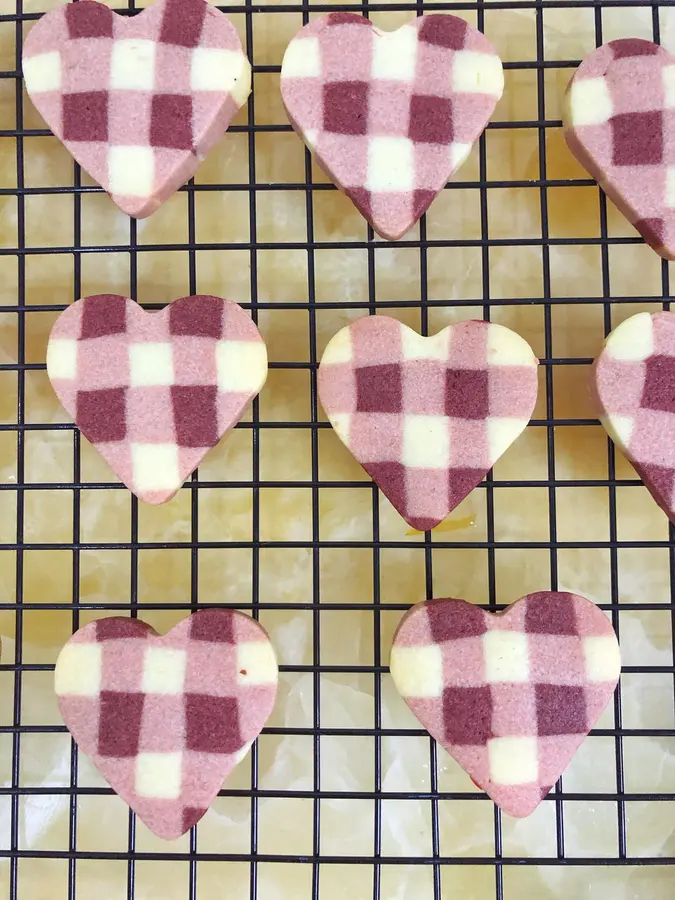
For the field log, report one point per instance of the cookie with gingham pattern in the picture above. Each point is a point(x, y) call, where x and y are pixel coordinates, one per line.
point(510, 695)
point(165, 718)
point(427, 417)
point(390, 115)
point(155, 391)
point(620, 125)
point(140, 100)
point(634, 388)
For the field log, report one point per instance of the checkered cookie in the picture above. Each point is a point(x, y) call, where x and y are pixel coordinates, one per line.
point(166, 718)
point(427, 417)
point(138, 101)
point(634, 387)
point(153, 392)
point(620, 125)
point(509, 696)
point(390, 115)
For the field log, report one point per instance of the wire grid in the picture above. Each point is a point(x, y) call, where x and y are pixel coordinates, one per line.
point(318, 860)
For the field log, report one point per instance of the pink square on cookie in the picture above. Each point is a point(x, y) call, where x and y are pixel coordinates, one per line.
point(210, 668)
point(390, 108)
point(93, 56)
point(150, 414)
point(506, 394)
point(126, 678)
point(513, 709)
point(426, 493)
point(463, 662)
point(367, 432)
point(339, 387)
point(103, 362)
point(557, 659)
point(377, 344)
point(469, 444)
point(123, 129)
point(423, 387)
point(653, 438)
point(351, 153)
point(336, 44)
point(468, 346)
point(194, 361)
point(162, 723)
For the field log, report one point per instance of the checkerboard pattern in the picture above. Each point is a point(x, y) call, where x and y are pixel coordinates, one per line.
point(427, 417)
point(138, 101)
point(153, 392)
point(390, 115)
point(634, 386)
point(620, 124)
point(166, 718)
point(512, 695)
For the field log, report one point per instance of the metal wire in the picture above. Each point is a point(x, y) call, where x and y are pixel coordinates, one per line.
point(547, 542)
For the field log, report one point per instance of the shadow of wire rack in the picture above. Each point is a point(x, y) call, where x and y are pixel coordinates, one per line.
point(503, 863)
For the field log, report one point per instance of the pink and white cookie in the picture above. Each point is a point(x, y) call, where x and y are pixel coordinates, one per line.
point(155, 391)
point(634, 389)
point(139, 101)
point(427, 417)
point(511, 695)
point(620, 125)
point(165, 718)
point(390, 115)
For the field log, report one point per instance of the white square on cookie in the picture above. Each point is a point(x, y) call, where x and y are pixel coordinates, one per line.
point(132, 65)
point(513, 760)
point(78, 670)
point(155, 467)
point(633, 339)
point(256, 663)
point(215, 69)
point(395, 54)
point(590, 102)
point(131, 171)
point(506, 656)
point(391, 164)
point(163, 670)
point(62, 358)
point(602, 658)
point(302, 59)
point(477, 73)
point(151, 364)
point(159, 775)
point(426, 442)
point(42, 72)
point(417, 671)
point(241, 366)
point(668, 76)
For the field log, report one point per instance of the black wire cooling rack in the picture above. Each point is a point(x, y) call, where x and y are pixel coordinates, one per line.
point(438, 863)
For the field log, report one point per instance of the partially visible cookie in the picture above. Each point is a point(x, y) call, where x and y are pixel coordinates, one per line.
point(165, 718)
point(510, 696)
point(390, 115)
point(427, 417)
point(155, 391)
point(634, 388)
point(620, 125)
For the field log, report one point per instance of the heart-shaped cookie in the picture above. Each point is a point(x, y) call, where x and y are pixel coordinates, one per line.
point(166, 718)
point(153, 392)
point(620, 125)
point(139, 101)
point(427, 417)
point(634, 388)
point(390, 115)
point(511, 695)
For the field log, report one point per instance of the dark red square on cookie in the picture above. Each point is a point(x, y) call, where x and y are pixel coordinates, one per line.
point(89, 20)
point(637, 138)
point(467, 715)
point(212, 625)
point(101, 415)
point(212, 724)
point(207, 321)
point(659, 386)
point(119, 725)
point(195, 415)
point(466, 393)
point(561, 709)
point(633, 47)
point(430, 119)
point(345, 107)
point(171, 121)
point(85, 116)
point(465, 621)
point(103, 314)
point(379, 389)
point(548, 613)
point(182, 23)
point(445, 31)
